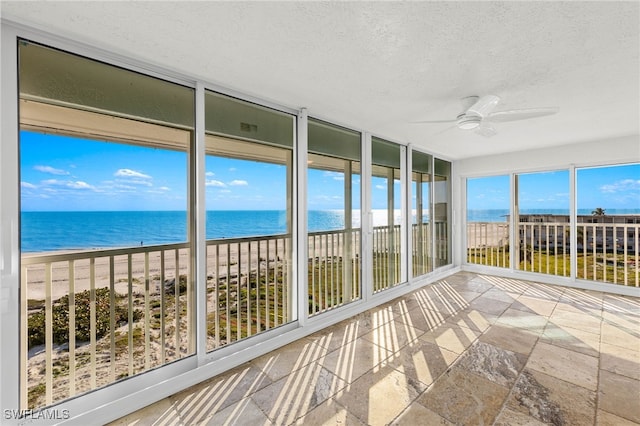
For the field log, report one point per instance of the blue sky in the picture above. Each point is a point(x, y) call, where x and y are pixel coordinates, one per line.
point(61, 173)
point(613, 187)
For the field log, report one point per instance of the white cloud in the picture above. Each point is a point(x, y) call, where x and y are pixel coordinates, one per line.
point(621, 185)
point(27, 185)
point(381, 187)
point(51, 170)
point(164, 188)
point(209, 174)
point(135, 182)
point(334, 175)
point(80, 185)
point(232, 169)
point(122, 186)
point(238, 182)
point(131, 173)
point(214, 182)
point(69, 184)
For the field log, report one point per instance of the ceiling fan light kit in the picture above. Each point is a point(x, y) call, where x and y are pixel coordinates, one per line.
point(468, 121)
point(479, 114)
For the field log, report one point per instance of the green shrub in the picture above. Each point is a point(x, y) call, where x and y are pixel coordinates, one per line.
point(60, 314)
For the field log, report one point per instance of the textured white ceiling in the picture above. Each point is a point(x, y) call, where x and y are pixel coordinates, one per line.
point(379, 66)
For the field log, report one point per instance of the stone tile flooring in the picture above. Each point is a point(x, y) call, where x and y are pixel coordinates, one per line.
point(470, 349)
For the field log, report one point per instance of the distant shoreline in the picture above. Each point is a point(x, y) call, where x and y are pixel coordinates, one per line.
point(50, 233)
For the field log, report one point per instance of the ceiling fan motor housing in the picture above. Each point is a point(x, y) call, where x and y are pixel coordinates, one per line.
point(468, 121)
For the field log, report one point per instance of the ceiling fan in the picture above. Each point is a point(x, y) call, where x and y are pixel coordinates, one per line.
point(478, 115)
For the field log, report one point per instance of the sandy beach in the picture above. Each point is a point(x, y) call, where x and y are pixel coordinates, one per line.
point(222, 260)
point(487, 235)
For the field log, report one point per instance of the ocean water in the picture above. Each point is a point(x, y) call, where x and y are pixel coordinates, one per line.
point(45, 231)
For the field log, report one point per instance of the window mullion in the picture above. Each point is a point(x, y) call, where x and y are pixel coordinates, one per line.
point(366, 267)
point(199, 215)
point(300, 287)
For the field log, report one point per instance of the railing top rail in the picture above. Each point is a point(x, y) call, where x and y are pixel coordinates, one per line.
point(333, 231)
point(579, 224)
point(219, 241)
point(28, 259)
point(67, 255)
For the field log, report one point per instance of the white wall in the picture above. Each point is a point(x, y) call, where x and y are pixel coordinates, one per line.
point(601, 152)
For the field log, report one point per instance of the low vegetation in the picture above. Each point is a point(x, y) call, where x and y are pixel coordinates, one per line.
point(82, 305)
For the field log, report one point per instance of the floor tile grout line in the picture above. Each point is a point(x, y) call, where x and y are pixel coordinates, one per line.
point(597, 401)
point(515, 382)
point(564, 297)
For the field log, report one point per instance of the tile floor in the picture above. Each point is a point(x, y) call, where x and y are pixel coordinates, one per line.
point(470, 349)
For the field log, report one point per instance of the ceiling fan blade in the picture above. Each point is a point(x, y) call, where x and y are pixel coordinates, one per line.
point(484, 105)
point(433, 121)
point(486, 129)
point(520, 114)
point(444, 130)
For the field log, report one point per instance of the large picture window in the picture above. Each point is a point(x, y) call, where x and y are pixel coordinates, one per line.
point(488, 204)
point(386, 214)
point(333, 197)
point(608, 224)
point(107, 290)
point(249, 181)
point(442, 212)
point(421, 184)
point(543, 231)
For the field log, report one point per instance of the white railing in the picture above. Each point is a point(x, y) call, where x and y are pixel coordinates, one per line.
point(609, 252)
point(91, 318)
point(606, 252)
point(95, 317)
point(421, 250)
point(386, 257)
point(248, 287)
point(544, 247)
point(334, 269)
point(488, 243)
